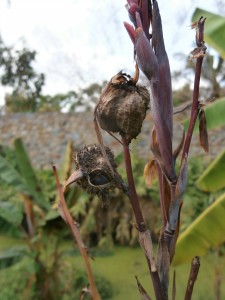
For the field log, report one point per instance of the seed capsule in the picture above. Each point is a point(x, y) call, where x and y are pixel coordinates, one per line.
point(122, 106)
point(93, 173)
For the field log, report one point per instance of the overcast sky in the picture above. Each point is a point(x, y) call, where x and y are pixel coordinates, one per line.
point(79, 42)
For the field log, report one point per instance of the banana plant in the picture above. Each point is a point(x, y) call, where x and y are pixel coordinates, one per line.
point(207, 231)
point(30, 210)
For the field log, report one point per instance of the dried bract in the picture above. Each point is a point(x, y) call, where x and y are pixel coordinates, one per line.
point(97, 178)
point(122, 106)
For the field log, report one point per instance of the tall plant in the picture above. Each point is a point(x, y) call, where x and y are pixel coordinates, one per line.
point(121, 109)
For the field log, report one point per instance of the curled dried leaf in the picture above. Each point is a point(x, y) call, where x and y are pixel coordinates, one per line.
point(155, 145)
point(143, 293)
point(203, 134)
point(145, 241)
point(150, 172)
point(194, 24)
point(198, 52)
point(85, 291)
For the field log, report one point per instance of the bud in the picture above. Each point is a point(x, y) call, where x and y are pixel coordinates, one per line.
point(122, 106)
point(95, 175)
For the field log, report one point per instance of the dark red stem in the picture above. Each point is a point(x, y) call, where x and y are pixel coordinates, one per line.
point(77, 237)
point(195, 103)
point(195, 107)
point(195, 265)
point(132, 190)
point(141, 226)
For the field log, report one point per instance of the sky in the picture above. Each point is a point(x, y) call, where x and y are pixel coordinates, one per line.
point(79, 42)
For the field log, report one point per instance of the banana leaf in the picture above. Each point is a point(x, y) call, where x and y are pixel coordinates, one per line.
point(214, 115)
point(27, 173)
point(206, 232)
point(11, 247)
point(214, 30)
point(213, 178)
point(11, 212)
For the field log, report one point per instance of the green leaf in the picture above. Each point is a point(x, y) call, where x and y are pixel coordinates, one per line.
point(28, 174)
point(11, 176)
point(213, 178)
point(7, 242)
point(19, 250)
point(67, 162)
point(206, 232)
point(214, 29)
point(214, 115)
point(11, 212)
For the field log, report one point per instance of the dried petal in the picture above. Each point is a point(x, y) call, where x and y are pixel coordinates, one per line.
point(203, 134)
point(155, 145)
point(73, 178)
point(150, 172)
point(194, 24)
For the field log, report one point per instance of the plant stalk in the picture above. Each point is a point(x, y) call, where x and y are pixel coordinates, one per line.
point(77, 237)
point(195, 265)
point(141, 226)
point(194, 109)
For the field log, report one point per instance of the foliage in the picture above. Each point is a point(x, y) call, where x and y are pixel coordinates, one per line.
point(214, 115)
point(28, 219)
point(17, 282)
point(213, 178)
point(79, 100)
point(17, 72)
point(207, 230)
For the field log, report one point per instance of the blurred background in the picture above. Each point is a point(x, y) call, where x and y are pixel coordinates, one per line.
point(55, 59)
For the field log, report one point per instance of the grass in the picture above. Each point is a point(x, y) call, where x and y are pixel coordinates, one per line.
point(122, 266)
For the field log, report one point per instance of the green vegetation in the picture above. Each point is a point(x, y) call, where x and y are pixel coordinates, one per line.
point(207, 230)
point(213, 177)
point(121, 267)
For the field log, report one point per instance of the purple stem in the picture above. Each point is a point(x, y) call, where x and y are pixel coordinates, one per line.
point(141, 226)
point(195, 265)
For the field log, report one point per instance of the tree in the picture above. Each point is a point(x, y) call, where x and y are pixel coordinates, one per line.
point(18, 73)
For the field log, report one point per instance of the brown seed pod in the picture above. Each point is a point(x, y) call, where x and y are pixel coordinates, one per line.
point(122, 106)
point(93, 173)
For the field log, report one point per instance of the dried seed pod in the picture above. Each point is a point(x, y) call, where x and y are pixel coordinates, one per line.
point(122, 106)
point(93, 173)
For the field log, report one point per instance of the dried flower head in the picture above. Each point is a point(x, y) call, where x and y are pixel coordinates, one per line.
point(93, 173)
point(122, 106)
